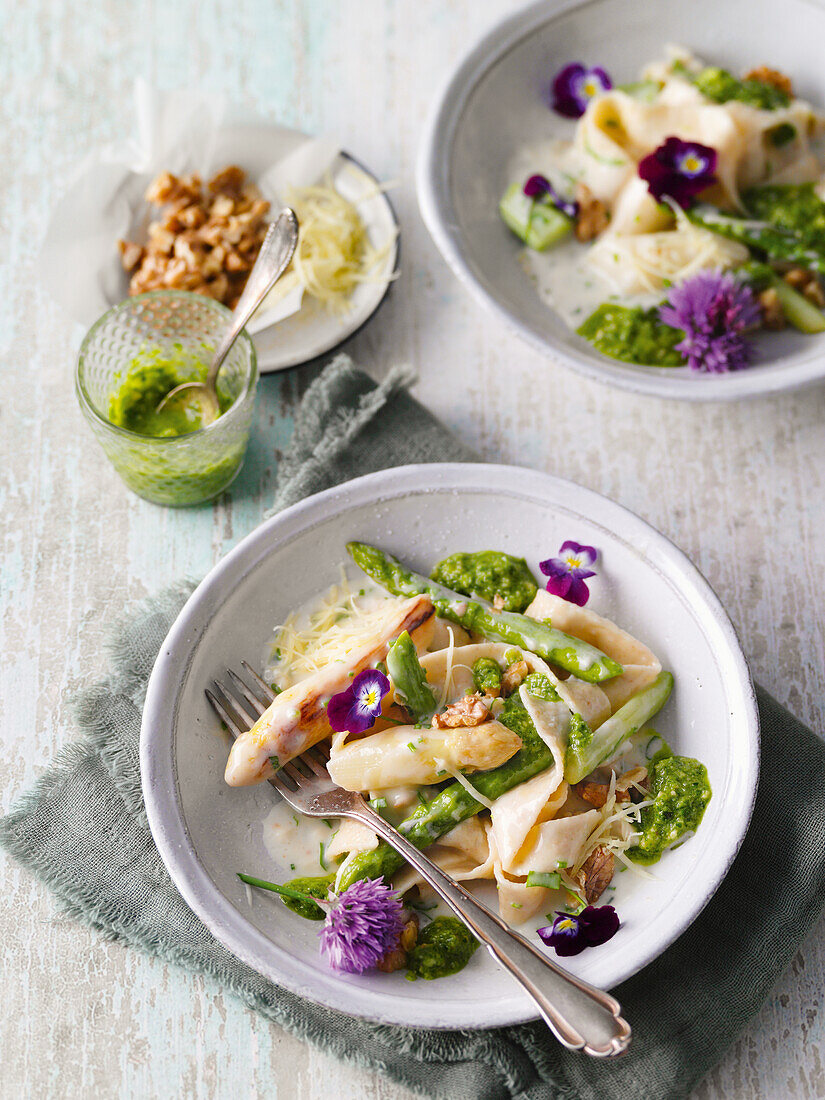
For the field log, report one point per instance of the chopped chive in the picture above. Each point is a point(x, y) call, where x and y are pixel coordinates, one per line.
point(515, 905)
point(411, 746)
point(550, 880)
point(275, 762)
point(292, 866)
point(296, 819)
point(329, 824)
point(321, 855)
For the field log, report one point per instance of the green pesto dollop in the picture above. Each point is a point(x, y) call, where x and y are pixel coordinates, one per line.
point(681, 791)
point(633, 335)
point(579, 738)
point(792, 206)
point(721, 86)
point(514, 714)
point(316, 888)
point(488, 573)
point(148, 379)
point(444, 947)
point(487, 676)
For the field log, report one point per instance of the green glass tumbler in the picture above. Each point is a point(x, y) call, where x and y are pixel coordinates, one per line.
point(178, 469)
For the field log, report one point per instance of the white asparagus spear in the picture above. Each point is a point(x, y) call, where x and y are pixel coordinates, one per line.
point(297, 718)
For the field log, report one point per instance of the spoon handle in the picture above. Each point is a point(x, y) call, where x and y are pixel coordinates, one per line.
point(273, 259)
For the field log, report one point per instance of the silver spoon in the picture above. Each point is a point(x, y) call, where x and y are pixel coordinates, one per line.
point(273, 259)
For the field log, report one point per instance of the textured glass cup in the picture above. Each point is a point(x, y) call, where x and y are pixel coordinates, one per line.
point(181, 469)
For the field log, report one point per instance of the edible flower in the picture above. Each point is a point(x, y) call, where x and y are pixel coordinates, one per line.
point(571, 933)
point(679, 170)
point(575, 86)
point(714, 310)
point(537, 187)
point(362, 924)
point(356, 709)
point(568, 572)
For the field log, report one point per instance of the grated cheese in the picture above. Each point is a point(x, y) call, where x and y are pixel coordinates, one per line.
point(617, 830)
point(334, 253)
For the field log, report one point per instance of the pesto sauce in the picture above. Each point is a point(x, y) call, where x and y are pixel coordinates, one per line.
point(634, 335)
point(444, 947)
point(487, 676)
point(681, 791)
point(721, 86)
point(316, 888)
point(488, 573)
point(791, 206)
point(149, 377)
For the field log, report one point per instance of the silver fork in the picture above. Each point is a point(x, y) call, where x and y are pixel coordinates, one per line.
point(579, 1015)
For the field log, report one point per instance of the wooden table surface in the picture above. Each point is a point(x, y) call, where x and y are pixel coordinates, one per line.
point(739, 488)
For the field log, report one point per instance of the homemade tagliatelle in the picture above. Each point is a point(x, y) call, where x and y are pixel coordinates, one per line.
point(680, 213)
point(500, 726)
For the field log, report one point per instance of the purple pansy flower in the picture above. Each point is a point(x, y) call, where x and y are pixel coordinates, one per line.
point(715, 311)
point(575, 86)
point(537, 187)
point(679, 170)
point(362, 924)
point(356, 709)
point(568, 572)
point(570, 933)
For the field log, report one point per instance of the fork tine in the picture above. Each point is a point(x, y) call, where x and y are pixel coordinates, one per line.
point(246, 719)
point(281, 785)
point(266, 691)
point(315, 762)
point(253, 700)
point(224, 714)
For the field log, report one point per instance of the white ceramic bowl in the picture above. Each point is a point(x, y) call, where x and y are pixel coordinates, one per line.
point(207, 831)
point(493, 106)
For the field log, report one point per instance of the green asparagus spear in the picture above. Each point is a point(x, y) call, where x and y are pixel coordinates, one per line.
point(410, 679)
point(455, 803)
point(585, 661)
point(586, 749)
point(775, 242)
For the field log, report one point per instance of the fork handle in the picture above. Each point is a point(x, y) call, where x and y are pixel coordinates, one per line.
point(579, 1015)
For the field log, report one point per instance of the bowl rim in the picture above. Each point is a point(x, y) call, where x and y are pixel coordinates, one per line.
point(159, 722)
point(231, 414)
point(433, 186)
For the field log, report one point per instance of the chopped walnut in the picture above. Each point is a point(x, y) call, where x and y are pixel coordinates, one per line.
point(205, 240)
point(636, 777)
point(593, 216)
point(773, 315)
point(514, 674)
point(396, 958)
point(595, 874)
point(774, 77)
point(594, 793)
point(469, 711)
point(807, 283)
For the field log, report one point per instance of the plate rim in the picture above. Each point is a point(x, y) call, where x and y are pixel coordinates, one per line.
point(435, 204)
point(157, 760)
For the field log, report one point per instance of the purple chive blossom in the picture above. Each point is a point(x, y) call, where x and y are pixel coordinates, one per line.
point(568, 572)
point(362, 924)
point(575, 86)
point(356, 709)
point(570, 934)
point(679, 170)
point(715, 311)
point(537, 187)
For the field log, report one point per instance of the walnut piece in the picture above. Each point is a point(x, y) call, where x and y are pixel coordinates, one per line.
point(204, 240)
point(774, 77)
point(595, 874)
point(469, 711)
point(593, 216)
point(396, 958)
point(513, 676)
point(773, 315)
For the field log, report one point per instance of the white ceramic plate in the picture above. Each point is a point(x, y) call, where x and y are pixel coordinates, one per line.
point(493, 106)
point(207, 831)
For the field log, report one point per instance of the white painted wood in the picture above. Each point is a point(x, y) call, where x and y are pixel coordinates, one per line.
point(739, 488)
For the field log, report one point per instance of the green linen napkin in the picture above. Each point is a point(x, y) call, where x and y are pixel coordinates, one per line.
point(82, 830)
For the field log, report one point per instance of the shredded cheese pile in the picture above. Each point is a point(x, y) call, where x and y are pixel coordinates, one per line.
point(334, 253)
point(337, 623)
point(618, 829)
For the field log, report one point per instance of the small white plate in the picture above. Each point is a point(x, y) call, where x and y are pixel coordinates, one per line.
point(493, 106)
point(207, 831)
